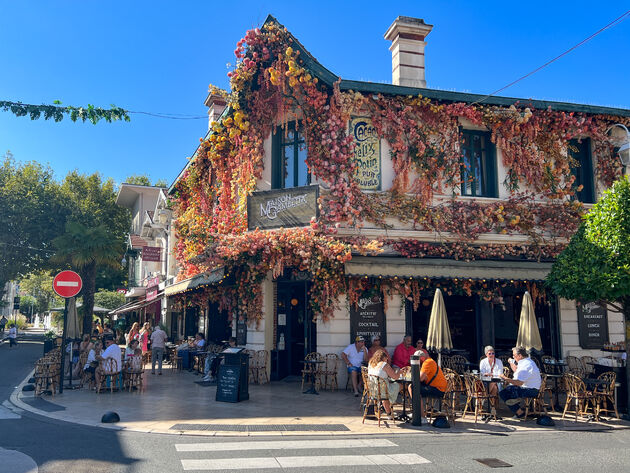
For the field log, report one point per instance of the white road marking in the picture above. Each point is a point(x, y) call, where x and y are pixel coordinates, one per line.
point(304, 462)
point(282, 445)
point(8, 414)
point(16, 462)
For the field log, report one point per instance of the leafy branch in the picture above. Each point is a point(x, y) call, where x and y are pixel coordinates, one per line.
point(57, 112)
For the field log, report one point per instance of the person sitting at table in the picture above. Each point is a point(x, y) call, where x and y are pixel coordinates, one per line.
point(403, 353)
point(420, 346)
point(376, 346)
point(491, 366)
point(111, 351)
point(213, 361)
point(131, 348)
point(85, 343)
point(433, 384)
point(379, 367)
point(525, 383)
point(355, 355)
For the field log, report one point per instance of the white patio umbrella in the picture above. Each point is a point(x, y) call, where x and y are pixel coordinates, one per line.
point(72, 328)
point(528, 333)
point(439, 335)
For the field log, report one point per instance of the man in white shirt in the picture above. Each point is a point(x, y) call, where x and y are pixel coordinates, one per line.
point(355, 355)
point(12, 335)
point(525, 383)
point(111, 351)
point(158, 343)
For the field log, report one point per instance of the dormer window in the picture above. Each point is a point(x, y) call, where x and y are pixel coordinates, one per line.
point(478, 165)
point(289, 153)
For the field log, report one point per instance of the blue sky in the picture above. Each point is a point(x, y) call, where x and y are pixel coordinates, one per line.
point(160, 57)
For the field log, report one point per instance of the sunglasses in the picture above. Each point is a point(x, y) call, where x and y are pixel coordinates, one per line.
point(490, 353)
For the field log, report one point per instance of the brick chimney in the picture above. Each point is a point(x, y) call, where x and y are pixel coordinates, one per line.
point(216, 104)
point(407, 36)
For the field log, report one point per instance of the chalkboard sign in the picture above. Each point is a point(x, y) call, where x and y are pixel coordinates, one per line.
point(228, 383)
point(241, 332)
point(592, 325)
point(367, 318)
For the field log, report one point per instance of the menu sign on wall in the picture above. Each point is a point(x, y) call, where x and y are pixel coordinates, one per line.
point(592, 325)
point(294, 207)
point(367, 153)
point(367, 318)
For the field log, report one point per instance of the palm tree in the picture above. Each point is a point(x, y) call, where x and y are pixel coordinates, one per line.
point(85, 249)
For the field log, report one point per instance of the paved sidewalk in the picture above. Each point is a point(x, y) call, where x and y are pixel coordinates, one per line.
point(173, 399)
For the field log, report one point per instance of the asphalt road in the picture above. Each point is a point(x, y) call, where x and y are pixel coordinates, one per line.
point(30, 443)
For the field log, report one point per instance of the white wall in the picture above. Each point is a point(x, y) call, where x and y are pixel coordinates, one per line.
point(570, 335)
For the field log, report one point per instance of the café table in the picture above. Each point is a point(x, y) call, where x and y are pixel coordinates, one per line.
point(313, 373)
point(405, 383)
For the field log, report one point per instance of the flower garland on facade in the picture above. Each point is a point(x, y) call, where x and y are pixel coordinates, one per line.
point(271, 85)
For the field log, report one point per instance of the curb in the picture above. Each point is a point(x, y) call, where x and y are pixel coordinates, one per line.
point(17, 402)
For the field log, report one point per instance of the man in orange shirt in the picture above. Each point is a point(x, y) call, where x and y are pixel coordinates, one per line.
point(432, 381)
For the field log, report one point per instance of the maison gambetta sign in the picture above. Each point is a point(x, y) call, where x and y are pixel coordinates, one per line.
point(592, 325)
point(367, 154)
point(294, 207)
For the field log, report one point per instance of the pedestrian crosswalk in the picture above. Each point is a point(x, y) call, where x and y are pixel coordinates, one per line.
point(9, 411)
point(235, 455)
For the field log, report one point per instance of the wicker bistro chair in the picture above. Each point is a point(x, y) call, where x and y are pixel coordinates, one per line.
point(459, 364)
point(576, 392)
point(253, 368)
point(133, 373)
point(83, 356)
point(312, 369)
point(587, 363)
point(476, 393)
point(365, 380)
point(538, 405)
point(111, 372)
point(605, 394)
point(377, 391)
point(261, 359)
point(446, 405)
point(329, 371)
point(575, 366)
point(456, 390)
point(47, 376)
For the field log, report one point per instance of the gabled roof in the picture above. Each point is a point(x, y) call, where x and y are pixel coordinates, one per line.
point(329, 78)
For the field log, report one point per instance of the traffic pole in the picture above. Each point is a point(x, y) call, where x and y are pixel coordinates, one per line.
point(416, 397)
point(63, 347)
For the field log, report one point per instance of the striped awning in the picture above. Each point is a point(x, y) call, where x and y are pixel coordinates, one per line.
point(444, 268)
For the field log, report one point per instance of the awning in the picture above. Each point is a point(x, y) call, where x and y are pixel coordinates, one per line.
point(135, 305)
point(196, 281)
point(443, 268)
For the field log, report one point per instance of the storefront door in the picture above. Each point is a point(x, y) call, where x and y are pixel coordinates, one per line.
point(296, 330)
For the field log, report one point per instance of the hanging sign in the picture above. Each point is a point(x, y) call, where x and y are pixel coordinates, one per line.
point(367, 153)
point(294, 207)
point(592, 325)
point(367, 318)
point(151, 253)
point(241, 332)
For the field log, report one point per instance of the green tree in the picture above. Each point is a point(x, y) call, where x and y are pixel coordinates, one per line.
point(595, 266)
point(28, 306)
point(109, 299)
point(31, 216)
point(84, 249)
point(39, 285)
point(144, 180)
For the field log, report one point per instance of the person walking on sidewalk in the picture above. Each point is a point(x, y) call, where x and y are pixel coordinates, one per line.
point(12, 335)
point(3, 323)
point(158, 341)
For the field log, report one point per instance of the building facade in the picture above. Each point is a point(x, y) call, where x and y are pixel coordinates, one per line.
point(319, 208)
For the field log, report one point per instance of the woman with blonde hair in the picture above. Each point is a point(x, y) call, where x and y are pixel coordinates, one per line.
point(145, 333)
point(379, 367)
point(133, 333)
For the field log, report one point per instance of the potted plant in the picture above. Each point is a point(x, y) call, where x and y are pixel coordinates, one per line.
point(49, 341)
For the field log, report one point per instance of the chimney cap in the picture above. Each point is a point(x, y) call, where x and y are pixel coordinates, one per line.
point(408, 25)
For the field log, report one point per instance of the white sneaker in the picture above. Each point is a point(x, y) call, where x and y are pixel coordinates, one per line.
point(207, 378)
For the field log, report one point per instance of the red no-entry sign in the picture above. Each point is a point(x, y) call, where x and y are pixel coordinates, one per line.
point(67, 284)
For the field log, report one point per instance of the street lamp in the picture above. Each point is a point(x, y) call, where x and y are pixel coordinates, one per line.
point(123, 261)
point(624, 149)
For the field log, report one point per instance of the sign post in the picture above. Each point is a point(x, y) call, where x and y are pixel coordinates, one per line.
point(66, 284)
